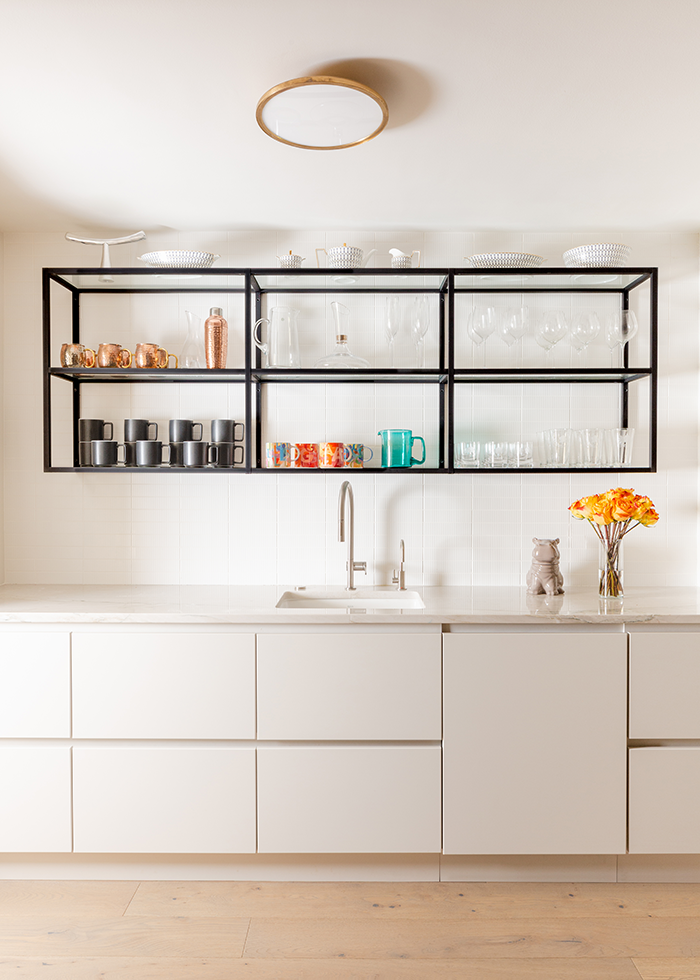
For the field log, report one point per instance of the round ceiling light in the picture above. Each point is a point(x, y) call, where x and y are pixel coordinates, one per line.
point(321, 112)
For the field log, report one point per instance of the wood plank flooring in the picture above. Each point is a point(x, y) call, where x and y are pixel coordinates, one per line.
point(102, 930)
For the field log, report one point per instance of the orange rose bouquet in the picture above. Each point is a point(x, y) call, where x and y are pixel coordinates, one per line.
point(612, 515)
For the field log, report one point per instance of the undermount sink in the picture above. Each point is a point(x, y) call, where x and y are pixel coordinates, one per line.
point(357, 599)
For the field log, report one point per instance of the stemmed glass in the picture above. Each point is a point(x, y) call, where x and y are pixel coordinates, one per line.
point(620, 328)
point(585, 327)
point(481, 325)
point(392, 322)
point(513, 325)
point(551, 327)
point(419, 326)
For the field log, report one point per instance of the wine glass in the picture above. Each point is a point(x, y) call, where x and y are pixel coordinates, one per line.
point(513, 325)
point(620, 327)
point(392, 322)
point(419, 326)
point(481, 325)
point(551, 327)
point(585, 327)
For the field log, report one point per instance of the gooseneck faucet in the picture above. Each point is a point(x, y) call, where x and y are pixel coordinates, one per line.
point(399, 576)
point(346, 500)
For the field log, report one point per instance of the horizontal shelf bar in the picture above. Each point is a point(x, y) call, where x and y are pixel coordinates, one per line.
point(158, 375)
point(362, 375)
point(166, 468)
point(549, 375)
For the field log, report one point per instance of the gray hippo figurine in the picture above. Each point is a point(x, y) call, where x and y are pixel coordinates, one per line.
point(544, 576)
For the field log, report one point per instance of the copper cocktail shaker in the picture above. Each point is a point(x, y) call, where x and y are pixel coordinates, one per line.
point(216, 338)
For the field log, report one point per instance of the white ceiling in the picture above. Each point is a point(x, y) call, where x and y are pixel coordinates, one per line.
point(118, 115)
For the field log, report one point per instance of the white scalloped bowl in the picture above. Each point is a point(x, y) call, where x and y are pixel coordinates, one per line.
point(505, 260)
point(601, 254)
point(179, 259)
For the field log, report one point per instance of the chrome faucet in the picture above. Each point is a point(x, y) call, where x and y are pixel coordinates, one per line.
point(351, 565)
point(399, 576)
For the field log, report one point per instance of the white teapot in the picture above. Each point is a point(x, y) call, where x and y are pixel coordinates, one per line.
point(401, 260)
point(345, 257)
point(290, 261)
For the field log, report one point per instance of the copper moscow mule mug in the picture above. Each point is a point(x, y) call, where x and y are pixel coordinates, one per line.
point(152, 356)
point(113, 355)
point(75, 355)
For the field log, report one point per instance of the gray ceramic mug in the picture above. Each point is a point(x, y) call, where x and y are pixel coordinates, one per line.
point(105, 452)
point(149, 452)
point(224, 454)
point(182, 430)
point(224, 430)
point(195, 453)
point(136, 429)
point(89, 429)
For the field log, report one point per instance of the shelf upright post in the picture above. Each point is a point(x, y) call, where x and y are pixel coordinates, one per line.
point(46, 354)
point(75, 334)
point(653, 364)
point(251, 284)
point(450, 373)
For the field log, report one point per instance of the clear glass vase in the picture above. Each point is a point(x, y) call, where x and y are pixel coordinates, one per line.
point(610, 570)
point(192, 355)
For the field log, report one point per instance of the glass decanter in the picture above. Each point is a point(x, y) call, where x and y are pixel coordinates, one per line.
point(192, 355)
point(341, 356)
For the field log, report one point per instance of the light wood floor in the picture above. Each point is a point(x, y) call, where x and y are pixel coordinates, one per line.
point(105, 930)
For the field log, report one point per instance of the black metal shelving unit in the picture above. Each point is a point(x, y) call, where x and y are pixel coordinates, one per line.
point(256, 284)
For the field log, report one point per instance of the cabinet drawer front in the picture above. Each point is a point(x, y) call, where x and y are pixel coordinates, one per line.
point(349, 799)
point(164, 800)
point(163, 685)
point(535, 747)
point(664, 800)
point(665, 685)
point(35, 802)
point(330, 686)
point(34, 685)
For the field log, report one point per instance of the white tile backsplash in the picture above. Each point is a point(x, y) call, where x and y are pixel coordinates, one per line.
point(141, 528)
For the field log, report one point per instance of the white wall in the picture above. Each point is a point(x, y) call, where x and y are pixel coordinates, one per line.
point(141, 528)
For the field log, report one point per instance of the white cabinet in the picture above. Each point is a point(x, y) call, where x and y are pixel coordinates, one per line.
point(164, 685)
point(348, 799)
point(164, 800)
point(34, 685)
point(349, 686)
point(664, 800)
point(35, 798)
point(535, 743)
point(664, 685)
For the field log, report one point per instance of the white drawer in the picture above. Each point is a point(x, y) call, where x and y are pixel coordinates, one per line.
point(664, 800)
point(34, 685)
point(664, 685)
point(164, 800)
point(359, 687)
point(163, 685)
point(35, 801)
point(349, 799)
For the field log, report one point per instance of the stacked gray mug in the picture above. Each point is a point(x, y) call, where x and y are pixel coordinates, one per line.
point(140, 447)
point(188, 449)
point(95, 445)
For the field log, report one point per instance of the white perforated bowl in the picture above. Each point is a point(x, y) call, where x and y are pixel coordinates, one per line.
point(601, 254)
point(505, 260)
point(179, 259)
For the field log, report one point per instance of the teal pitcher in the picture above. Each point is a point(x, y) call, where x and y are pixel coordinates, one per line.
point(397, 446)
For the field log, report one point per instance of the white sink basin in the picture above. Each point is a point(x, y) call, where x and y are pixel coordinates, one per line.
point(358, 599)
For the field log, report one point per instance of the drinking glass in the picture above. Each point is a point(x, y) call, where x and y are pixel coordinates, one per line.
point(520, 454)
point(514, 325)
point(392, 322)
point(620, 328)
point(481, 326)
point(618, 447)
point(585, 327)
point(467, 454)
point(495, 455)
point(420, 322)
point(552, 326)
point(591, 444)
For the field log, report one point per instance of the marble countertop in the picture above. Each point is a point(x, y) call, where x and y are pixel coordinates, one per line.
point(253, 604)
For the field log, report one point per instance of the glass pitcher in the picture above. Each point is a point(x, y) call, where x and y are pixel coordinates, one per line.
point(397, 447)
point(282, 347)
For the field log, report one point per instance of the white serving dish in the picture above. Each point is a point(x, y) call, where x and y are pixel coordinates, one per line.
point(597, 255)
point(505, 260)
point(179, 259)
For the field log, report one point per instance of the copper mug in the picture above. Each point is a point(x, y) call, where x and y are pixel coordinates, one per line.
point(75, 355)
point(152, 356)
point(113, 355)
